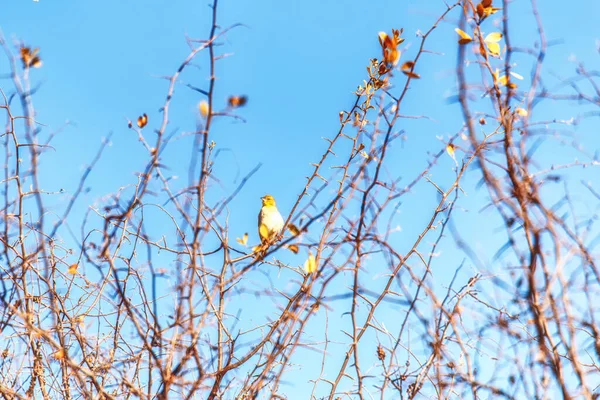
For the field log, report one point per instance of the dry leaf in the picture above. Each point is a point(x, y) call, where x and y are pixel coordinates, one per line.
point(294, 229)
point(237, 101)
point(30, 58)
point(480, 11)
point(407, 68)
point(486, 3)
point(293, 248)
point(73, 269)
point(504, 81)
point(491, 41)
point(203, 108)
point(489, 11)
point(493, 37)
point(59, 355)
point(244, 240)
point(450, 150)
point(389, 45)
point(310, 265)
point(501, 80)
point(142, 121)
point(411, 74)
point(521, 112)
point(494, 48)
point(464, 37)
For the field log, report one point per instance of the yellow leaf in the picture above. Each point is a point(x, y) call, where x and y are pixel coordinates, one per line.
point(73, 269)
point(293, 248)
point(450, 150)
point(382, 37)
point(203, 108)
point(493, 37)
point(364, 155)
point(503, 80)
point(464, 37)
point(244, 240)
point(487, 11)
point(59, 355)
point(522, 112)
point(494, 48)
point(310, 265)
point(519, 77)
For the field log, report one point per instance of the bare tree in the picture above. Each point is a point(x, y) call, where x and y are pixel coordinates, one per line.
point(148, 296)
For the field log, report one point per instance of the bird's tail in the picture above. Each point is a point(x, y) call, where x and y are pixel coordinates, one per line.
point(260, 251)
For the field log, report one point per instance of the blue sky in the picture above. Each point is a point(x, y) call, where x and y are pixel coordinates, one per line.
point(298, 62)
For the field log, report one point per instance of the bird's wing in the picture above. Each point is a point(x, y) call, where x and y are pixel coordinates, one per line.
point(263, 230)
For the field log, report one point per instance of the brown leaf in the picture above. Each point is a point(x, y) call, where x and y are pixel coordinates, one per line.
point(464, 37)
point(142, 121)
point(237, 101)
point(293, 229)
point(408, 66)
point(389, 46)
point(480, 10)
point(412, 74)
point(293, 248)
point(30, 57)
point(380, 353)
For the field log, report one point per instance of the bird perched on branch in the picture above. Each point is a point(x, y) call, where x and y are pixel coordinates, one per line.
point(270, 222)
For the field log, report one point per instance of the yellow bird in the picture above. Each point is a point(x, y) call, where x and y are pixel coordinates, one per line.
point(270, 221)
